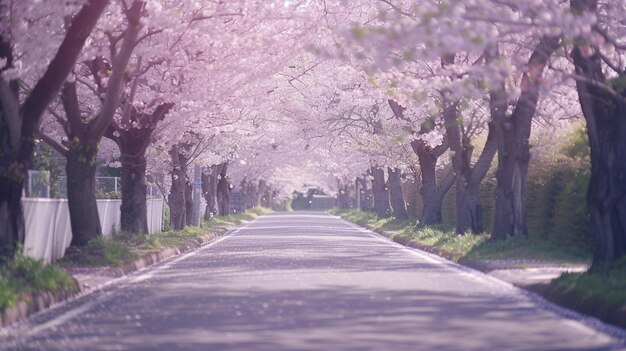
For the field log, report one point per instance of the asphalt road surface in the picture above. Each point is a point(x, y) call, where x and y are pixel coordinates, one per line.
point(307, 281)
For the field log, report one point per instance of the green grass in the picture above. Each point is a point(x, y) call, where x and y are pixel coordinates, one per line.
point(609, 286)
point(442, 238)
point(123, 248)
point(537, 249)
point(601, 293)
point(469, 246)
point(174, 238)
point(24, 275)
point(101, 252)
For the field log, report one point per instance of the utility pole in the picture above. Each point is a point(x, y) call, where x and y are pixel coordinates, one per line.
point(196, 194)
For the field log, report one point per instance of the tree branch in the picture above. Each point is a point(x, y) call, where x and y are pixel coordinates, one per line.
point(61, 65)
point(446, 183)
point(53, 143)
point(111, 102)
point(69, 98)
point(11, 112)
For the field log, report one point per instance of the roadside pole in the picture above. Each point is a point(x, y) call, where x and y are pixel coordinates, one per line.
point(197, 193)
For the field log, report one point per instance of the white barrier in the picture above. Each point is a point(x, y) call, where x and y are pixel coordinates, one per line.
point(109, 213)
point(155, 210)
point(48, 230)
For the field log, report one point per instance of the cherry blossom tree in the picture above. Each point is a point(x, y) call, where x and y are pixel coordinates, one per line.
point(598, 56)
point(20, 119)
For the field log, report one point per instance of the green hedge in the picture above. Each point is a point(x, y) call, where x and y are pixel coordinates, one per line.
point(556, 192)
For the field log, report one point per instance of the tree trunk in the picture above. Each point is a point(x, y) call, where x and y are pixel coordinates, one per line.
point(81, 193)
point(432, 193)
point(176, 198)
point(343, 195)
point(467, 201)
point(605, 115)
point(11, 216)
point(134, 215)
point(381, 192)
point(466, 208)
point(252, 198)
point(17, 144)
point(461, 152)
point(431, 210)
point(411, 194)
point(512, 135)
point(396, 194)
point(209, 188)
point(513, 158)
point(366, 195)
point(263, 192)
point(133, 139)
point(223, 192)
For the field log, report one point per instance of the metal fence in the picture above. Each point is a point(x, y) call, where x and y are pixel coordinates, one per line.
point(48, 229)
point(106, 188)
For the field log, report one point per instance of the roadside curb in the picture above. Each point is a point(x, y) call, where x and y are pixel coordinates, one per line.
point(37, 302)
point(156, 257)
point(615, 317)
point(33, 303)
point(416, 245)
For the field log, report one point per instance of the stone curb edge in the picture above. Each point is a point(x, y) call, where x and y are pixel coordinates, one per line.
point(615, 317)
point(36, 302)
point(416, 245)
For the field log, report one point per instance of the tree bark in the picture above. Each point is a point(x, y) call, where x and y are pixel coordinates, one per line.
point(366, 195)
point(11, 217)
point(263, 192)
point(512, 135)
point(431, 191)
point(467, 202)
point(133, 139)
point(176, 198)
point(134, 216)
point(223, 192)
point(396, 194)
point(12, 172)
point(209, 188)
point(431, 197)
point(605, 114)
point(81, 192)
point(461, 152)
point(134, 211)
point(381, 192)
point(469, 210)
point(343, 194)
point(253, 196)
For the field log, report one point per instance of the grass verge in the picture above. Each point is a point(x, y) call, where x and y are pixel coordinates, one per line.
point(124, 248)
point(444, 241)
point(24, 275)
point(601, 293)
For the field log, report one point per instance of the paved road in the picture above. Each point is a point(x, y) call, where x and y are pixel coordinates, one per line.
point(307, 281)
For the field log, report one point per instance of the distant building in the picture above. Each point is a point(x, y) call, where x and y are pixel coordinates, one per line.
point(322, 202)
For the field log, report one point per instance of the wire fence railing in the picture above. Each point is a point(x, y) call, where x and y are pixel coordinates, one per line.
point(40, 185)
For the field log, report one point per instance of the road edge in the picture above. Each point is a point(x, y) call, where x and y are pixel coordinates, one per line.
point(616, 332)
point(36, 303)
